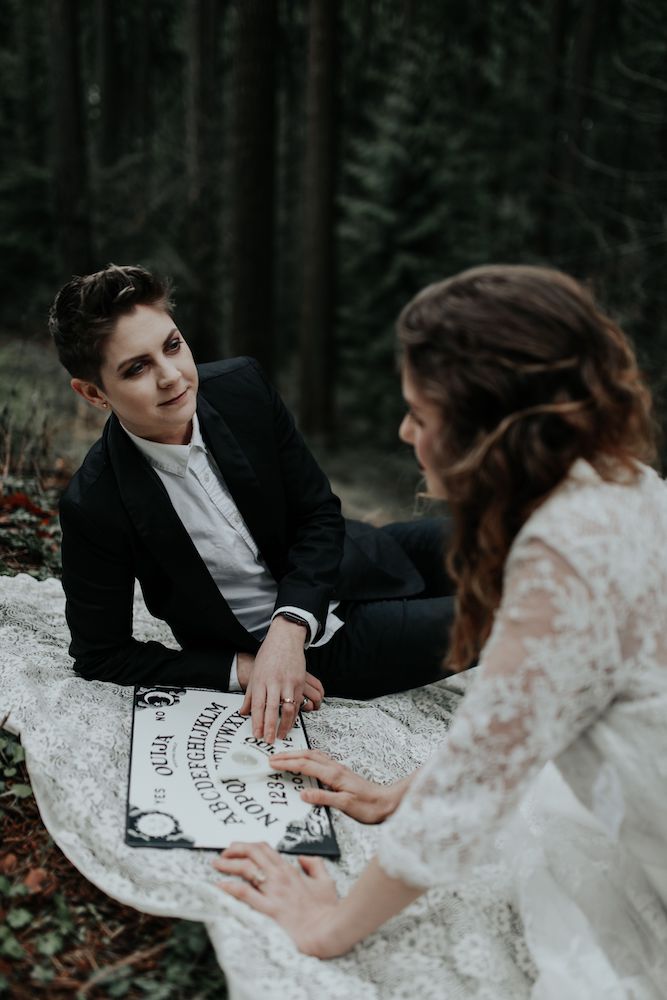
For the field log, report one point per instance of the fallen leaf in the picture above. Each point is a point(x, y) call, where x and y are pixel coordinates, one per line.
point(10, 947)
point(19, 917)
point(34, 880)
point(21, 501)
point(8, 863)
point(20, 791)
point(50, 943)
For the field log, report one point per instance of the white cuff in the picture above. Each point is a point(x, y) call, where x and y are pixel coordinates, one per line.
point(313, 624)
point(234, 686)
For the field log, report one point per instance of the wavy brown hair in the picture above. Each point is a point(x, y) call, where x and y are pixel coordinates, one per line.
point(529, 375)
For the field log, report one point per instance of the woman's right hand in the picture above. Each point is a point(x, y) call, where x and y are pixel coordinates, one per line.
point(363, 800)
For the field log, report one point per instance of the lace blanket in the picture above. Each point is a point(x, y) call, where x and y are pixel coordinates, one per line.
point(76, 734)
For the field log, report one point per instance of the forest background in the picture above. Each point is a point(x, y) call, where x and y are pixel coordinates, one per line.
point(300, 168)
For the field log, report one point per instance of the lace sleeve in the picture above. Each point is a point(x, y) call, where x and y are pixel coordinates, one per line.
point(550, 667)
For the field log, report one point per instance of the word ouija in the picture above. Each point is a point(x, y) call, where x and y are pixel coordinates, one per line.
point(158, 755)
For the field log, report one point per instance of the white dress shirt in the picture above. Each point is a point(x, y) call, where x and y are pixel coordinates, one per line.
point(204, 504)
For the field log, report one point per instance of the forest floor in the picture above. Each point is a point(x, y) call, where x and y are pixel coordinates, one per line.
point(60, 937)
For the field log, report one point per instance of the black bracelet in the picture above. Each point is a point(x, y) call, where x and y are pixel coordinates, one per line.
point(297, 619)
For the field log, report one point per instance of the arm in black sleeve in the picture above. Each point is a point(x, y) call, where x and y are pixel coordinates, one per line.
point(315, 524)
point(98, 579)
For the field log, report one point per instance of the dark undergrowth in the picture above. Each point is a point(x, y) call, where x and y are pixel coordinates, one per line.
point(60, 937)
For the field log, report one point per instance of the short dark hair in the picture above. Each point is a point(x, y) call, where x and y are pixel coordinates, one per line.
point(85, 312)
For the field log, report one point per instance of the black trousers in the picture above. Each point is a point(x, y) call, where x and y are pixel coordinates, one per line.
point(387, 646)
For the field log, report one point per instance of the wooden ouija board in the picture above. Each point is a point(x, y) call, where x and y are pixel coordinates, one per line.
point(200, 779)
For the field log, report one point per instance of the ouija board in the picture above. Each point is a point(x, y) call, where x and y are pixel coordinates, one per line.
point(200, 779)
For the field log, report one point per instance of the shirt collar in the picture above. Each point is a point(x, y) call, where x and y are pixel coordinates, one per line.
point(172, 458)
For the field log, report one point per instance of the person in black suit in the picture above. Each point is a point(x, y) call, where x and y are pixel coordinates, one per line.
point(202, 489)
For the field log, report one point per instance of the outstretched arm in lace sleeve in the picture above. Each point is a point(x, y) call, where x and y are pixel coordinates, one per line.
point(549, 669)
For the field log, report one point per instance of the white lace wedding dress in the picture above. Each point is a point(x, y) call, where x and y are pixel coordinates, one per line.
point(535, 893)
point(574, 673)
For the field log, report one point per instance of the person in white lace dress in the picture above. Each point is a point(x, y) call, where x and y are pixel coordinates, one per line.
point(527, 412)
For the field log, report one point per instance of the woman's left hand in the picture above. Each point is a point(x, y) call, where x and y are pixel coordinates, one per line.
point(302, 900)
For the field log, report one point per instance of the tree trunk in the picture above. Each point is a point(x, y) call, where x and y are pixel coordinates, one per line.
point(70, 173)
point(32, 133)
point(140, 51)
point(553, 107)
point(317, 244)
point(289, 142)
point(109, 80)
point(590, 34)
point(252, 180)
point(203, 155)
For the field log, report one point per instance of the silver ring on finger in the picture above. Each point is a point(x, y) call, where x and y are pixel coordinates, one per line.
point(306, 701)
point(257, 879)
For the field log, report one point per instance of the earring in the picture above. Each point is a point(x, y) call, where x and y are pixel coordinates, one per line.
point(105, 405)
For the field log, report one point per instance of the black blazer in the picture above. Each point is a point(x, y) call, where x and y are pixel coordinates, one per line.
point(119, 525)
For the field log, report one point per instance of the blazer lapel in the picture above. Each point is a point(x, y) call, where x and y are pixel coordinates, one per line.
point(246, 491)
point(162, 531)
